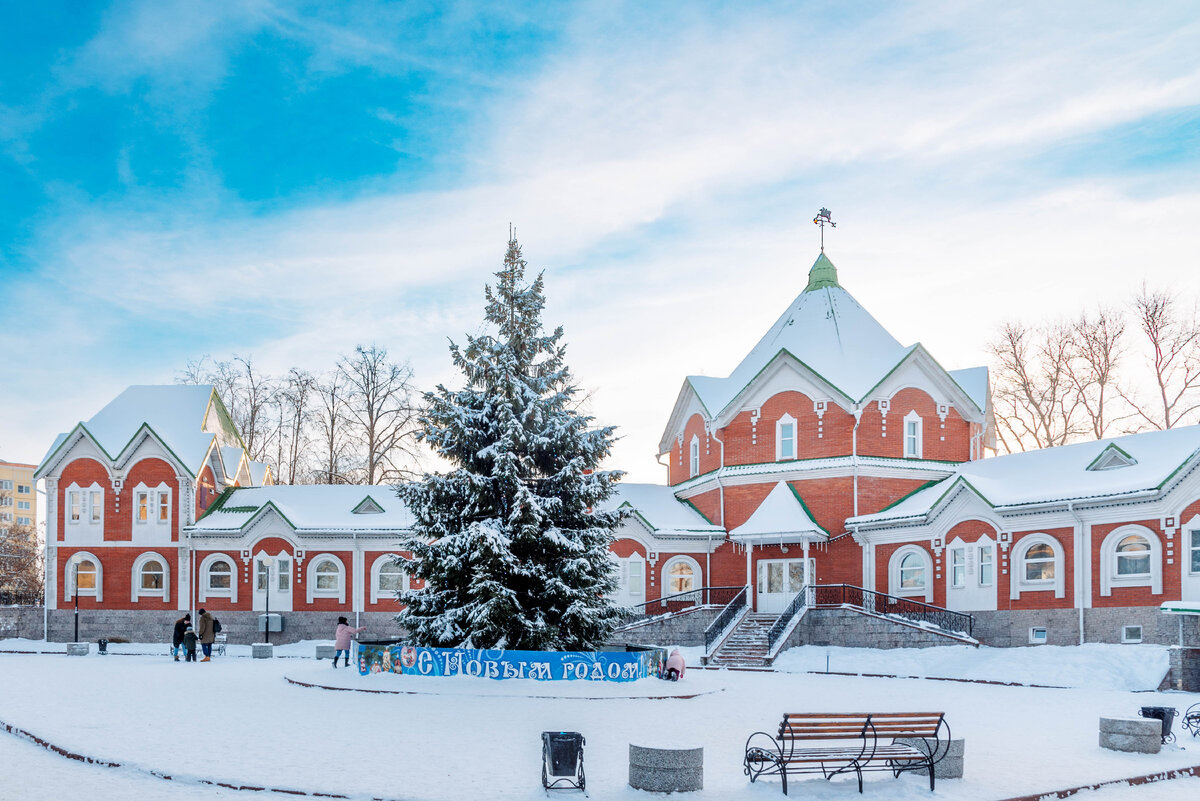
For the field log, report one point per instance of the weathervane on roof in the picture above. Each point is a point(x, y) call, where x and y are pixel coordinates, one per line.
point(824, 217)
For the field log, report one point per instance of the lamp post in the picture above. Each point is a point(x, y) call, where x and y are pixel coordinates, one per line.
point(266, 563)
point(75, 592)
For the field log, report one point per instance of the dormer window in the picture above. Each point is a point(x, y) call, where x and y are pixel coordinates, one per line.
point(912, 435)
point(1111, 458)
point(694, 457)
point(785, 438)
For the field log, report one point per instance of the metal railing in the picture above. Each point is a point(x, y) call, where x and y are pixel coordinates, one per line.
point(12, 598)
point(883, 604)
point(670, 604)
point(726, 616)
point(798, 605)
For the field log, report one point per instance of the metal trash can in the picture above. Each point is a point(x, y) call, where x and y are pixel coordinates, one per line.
point(562, 760)
point(1164, 713)
point(103, 643)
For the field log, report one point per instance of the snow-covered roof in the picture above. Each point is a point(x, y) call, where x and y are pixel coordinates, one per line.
point(178, 414)
point(231, 456)
point(258, 473)
point(829, 332)
point(661, 511)
point(307, 507)
point(781, 518)
point(1066, 473)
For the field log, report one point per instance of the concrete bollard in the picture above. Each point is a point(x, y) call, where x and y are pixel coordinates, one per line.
point(78, 648)
point(666, 770)
point(1133, 735)
point(262, 650)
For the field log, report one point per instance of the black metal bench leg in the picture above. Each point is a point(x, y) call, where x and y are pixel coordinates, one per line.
point(931, 776)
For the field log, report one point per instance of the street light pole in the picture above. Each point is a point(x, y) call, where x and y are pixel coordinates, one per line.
point(267, 561)
point(76, 594)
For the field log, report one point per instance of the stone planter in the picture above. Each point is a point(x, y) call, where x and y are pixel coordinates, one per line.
point(78, 648)
point(948, 767)
point(666, 770)
point(1134, 735)
point(325, 652)
point(262, 650)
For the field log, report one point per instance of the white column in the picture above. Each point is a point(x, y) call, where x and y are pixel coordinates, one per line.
point(750, 576)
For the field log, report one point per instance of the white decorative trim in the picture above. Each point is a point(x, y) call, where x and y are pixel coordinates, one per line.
point(69, 584)
point(787, 420)
point(135, 577)
point(313, 592)
point(203, 592)
point(1108, 561)
point(694, 456)
point(920, 447)
point(894, 563)
point(1018, 584)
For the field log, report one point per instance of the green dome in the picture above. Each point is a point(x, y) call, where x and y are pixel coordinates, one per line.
point(823, 274)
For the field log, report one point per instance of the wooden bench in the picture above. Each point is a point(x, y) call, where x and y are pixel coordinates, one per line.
point(832, 744)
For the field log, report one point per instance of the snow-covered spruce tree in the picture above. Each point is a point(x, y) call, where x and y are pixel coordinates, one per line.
point(512, 545)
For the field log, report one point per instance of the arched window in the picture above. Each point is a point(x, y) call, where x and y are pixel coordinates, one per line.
point(326, 578)
point(1037, 566)
point(680, 574)
point(1131, 556)
point(218, 578)
point(910, 573)
point(83, 573)
point(387, 578)
point(694, 459)
point(150, 577)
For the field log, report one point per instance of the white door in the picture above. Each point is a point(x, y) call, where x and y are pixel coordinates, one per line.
point(971, 574)
point(631, 577)
point(778, 582)
point(273, 583)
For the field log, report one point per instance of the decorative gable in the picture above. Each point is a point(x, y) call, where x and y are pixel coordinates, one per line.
point(368, 506)
point(1111, 458)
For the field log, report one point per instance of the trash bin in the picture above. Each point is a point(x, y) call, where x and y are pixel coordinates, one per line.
point(103, 643)
point(1164, 713)
point(562, 760)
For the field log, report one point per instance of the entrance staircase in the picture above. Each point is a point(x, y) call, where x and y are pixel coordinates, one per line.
point(746, 646)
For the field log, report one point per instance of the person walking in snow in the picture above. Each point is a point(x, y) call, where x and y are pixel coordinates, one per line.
point(207, 634)
point(183, 624)
point(675, 666)
point(189, 644)
point(341, 639)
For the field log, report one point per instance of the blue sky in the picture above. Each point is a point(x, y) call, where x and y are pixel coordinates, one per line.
point(288, 180)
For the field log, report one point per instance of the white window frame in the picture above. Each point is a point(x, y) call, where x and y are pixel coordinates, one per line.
point(789, 421)
point(88, 509)
point(958, 567)
point(1108, 561)
point(69, 577)
point(153, 497)
point(894, 583)
point(204, 591)
point(989, 549)
point(135, 579)
point(1019, 584)
point(694, 456)
point(665, 575)
point(917, 439)
point(1194, 550)
point(376, 568)
point(1126, 637)
point(311, 579)
point(1038, 639)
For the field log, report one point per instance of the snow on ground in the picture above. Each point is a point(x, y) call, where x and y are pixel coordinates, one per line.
point(240, 720)
point(1095, 665)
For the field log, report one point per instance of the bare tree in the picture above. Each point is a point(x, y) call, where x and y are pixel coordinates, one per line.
point(1034, 398)
point(20, 562)
point(294, 400)
point(247, 395)
point(379, 407)
point(1173, 337)
point(331, 430)
point(1097, 348)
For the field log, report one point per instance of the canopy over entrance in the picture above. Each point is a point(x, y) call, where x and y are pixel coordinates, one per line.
point(781, 519)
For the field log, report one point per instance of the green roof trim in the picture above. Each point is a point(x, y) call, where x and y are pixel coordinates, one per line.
point(696, 509)
point(807, 511)
point(822, 275)
point(217, 504)
point(908, 495)
point(1107, 453)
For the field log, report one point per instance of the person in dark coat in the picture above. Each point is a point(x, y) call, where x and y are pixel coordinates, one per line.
point(189, 644)
point(183, 624)
point(207, 634)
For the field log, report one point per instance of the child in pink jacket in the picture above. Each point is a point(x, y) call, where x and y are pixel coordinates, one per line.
point(341, 639)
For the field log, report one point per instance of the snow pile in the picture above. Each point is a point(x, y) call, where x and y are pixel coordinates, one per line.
point(1095, 665)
